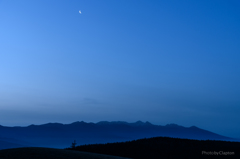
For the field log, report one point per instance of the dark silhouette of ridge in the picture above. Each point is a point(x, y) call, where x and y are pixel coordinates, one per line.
point(165, 147)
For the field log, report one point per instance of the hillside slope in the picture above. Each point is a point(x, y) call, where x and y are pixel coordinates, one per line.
point(165, 147)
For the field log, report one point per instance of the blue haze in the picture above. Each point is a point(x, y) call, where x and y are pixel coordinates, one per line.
point(158, 61)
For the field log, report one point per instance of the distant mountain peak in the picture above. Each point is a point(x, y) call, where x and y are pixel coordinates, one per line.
point(173, 125)
point(53, 124)
point(31, 125)
point(111, 123)
point(78, 122)
point(139, 122)
point(147, 122)
point(193, 127)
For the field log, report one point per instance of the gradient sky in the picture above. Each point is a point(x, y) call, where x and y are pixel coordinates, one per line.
point(165, 61)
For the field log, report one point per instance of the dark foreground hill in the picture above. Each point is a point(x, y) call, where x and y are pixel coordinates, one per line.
point(57, 135)
point(49, 153)
point(167, 148)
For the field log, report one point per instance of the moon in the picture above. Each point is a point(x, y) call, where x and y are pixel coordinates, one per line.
point(80, 11)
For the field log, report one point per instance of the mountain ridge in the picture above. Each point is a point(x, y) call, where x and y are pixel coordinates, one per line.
point(58, 135)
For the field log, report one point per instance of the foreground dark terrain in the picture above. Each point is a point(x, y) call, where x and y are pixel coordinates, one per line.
point(165, 147)
point(49, 153)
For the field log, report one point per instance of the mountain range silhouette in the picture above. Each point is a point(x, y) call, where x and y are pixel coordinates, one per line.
point(57, 135)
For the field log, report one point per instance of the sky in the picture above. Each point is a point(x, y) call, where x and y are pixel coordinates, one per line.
point(165, 62)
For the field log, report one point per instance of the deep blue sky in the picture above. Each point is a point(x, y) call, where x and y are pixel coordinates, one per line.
point(157, 61)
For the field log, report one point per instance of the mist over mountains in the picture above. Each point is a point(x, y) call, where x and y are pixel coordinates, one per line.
point(57, 135)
